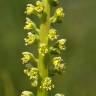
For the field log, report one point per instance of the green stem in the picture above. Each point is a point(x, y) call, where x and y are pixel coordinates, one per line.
point(44, 28)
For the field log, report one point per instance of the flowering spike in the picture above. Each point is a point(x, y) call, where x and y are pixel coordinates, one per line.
point(46, 35)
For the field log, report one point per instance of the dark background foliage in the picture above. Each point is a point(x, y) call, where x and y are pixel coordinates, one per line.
point(80, 57)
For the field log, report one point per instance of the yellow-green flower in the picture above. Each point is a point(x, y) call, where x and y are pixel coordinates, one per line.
point(29, 9)
point(61, 44)
point(58, 16)
point(27, 93)
point(59, 12)
point(30, 39)
point(26, 57)
point(47, 84)
point(43, 49)
point(29, 24)
point(32, 73)
point(39, 7)
point(58, 65)
point(57, 60)
point(52, 34)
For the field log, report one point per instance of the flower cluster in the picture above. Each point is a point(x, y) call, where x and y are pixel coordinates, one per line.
point(36, 10)
point(52, 34)
point(47, 84)
point(30, 38)
point(61, 44)
point(59, 13)
point(29, 9)
point(58, 65)
point(39, 7)
point(43, 49)
point(58, 47)
point(58, 16)
point(26, 57)
point(33, 74)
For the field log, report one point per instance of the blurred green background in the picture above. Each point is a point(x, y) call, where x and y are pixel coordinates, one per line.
point(79, 28)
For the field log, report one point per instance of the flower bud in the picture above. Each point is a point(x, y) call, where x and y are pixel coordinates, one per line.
point(58, 94)
point(27, 93)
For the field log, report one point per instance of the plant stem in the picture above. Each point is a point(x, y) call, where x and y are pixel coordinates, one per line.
point(44, 28)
